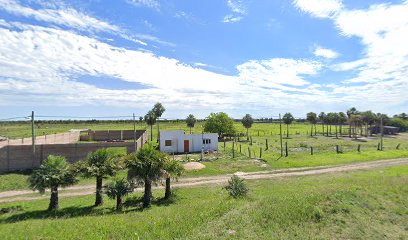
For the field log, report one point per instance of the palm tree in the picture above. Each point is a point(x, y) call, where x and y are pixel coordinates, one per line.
point(99, 164)
point(158, 111)
point(342, 120)
point(312, 119)
point(118, 189)
point(53, 173)
point(145, 166)
point(368, 118)
point(355, 120)
point(247, 121)
point(150, 119)
point(322, 119)
point(287, 119)
point(172, 169)
point(352, 111)
point(191, 120)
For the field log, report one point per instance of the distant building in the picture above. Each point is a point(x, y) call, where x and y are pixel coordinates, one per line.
point(389, 130)
point(179, 142)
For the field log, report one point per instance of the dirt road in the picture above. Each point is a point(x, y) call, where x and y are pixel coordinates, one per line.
point(26, 195)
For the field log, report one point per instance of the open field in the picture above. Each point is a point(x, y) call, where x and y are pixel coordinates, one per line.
point(366, 204)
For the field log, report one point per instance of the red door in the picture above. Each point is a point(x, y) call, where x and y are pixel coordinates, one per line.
point(186, 146)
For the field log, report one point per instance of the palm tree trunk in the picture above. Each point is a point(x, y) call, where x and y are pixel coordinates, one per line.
point(168, 189)
point(341, 127)
point(327, 130)
point(287, 130)
point(119, 203)
point(311, 130)
point(54, 198)
point(98, 199)
point(147, 197)
point(315, 129)
point(336, 131)
point(366, 130)
point(190, 130)
point(247, 134)
point(151, 132)
point(349, 130)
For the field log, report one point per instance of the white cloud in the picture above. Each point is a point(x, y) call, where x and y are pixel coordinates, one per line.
point(325, 52)
point(276, 72)
point(145, 3)
point(236, 7)
point(65, 16)
point(231, 19)
point(238, 11)
point(319, 8)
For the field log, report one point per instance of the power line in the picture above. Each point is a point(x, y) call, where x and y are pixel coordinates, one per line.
point(14, 118)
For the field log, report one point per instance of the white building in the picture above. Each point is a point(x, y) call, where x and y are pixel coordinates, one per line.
point(179, 142)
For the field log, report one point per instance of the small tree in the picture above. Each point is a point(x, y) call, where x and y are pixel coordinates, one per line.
point(236, 187)
point(99, 164)
point(191, 120)
point(150, 119)
point(118, 189)
point(287, 119)
point(53, 173)
point(145, 167)
point(219, 123)
point(247, 121)
point(312, 119)
point(172, 169)
point(158, 111)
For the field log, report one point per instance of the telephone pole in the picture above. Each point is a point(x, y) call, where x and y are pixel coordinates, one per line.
point(33, 133)
point(280, 127)
point(134, 131)
point(381, 134)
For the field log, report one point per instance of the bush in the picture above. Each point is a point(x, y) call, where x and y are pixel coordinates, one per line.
point(236, 187)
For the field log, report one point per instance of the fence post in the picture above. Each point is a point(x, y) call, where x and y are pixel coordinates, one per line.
point(286, 149)
point(233, 150)
point(398, 146)
point(266, 142)
point(240, 148)
point(337, 148)
point(224, 145)
point(258, 133)
point(378, 147)
point(358, 148)
point(249, 152)
point(311, 150)
point(260, 152)
point(251, 140)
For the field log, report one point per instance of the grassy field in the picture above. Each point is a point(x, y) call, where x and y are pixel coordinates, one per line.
point(361, 205)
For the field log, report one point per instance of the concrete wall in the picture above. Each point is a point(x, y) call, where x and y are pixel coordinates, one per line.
point(109, 135)
point(20, 157)
point(195, 141)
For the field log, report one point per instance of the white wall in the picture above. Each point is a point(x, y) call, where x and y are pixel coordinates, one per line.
point(195, 141)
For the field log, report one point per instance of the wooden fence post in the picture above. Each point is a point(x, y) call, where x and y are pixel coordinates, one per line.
point(378, 147)
point(224, 145)
point(260, 152)
point(240, 148)
point(251, 140)
point(358, 148)
point(258, 133)
point(267, 146)
point(249, 152)
point(337, 148)
point(286, 149)
point(398, 146)
point(311, 150)
point(233, 150)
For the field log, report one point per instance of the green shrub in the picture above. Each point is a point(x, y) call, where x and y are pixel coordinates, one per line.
point(236, 187)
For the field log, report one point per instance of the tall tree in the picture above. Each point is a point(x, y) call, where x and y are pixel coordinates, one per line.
point(312, 119)
point(53, 173)
point(219, 123)
point(355, 120)
point(368, 118)
point(150, 119)
point(352, 111)
point(99, 164)
point(247, 121)
point(145, 166)
point(118, 189)
point(322, 119)
point(158, 111)
point(191, 120)
point(287, 119)
point(342, 120)
point(172, 169)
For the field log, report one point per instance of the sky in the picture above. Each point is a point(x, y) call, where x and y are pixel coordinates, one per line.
point(116, 58)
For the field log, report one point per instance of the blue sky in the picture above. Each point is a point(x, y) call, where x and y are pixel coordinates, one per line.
point(99, 58)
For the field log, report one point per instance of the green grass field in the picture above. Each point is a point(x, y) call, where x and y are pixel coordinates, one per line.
point(360, 205)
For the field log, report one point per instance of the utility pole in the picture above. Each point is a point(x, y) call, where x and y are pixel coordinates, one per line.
point(33, 133)
point(381, 133)
point(134, 131)
point(280, 127)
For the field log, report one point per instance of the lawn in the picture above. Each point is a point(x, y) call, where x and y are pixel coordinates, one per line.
point(360, 205)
